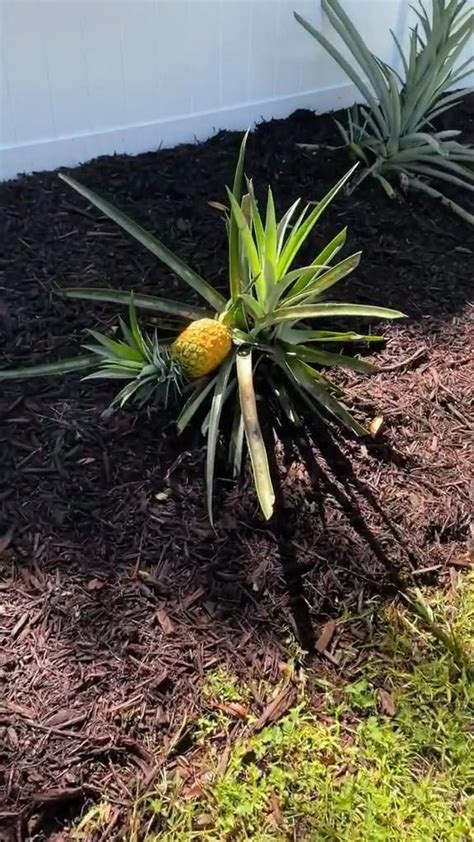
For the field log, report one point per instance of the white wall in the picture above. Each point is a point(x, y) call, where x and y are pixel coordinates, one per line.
point(81, 78)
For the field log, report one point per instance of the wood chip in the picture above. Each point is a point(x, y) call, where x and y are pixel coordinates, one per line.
point(64, 717)
point(31, 579)
point(151, 581)
point(95, 584)
point(375, 425)
point(416, 356)
point(276, 814)
point(387, 704)
point(12, 738)
point(327, 634)
point(164, 620)
point(31, 622)
point(461, 562)
point(6, 538)
point(57, 796)
point(19, 625)
point(192, 598)
point(232, 709)
point(276, 708)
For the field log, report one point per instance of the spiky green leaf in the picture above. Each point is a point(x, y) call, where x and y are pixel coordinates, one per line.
point(178, 266)
point(313, 383)
point(49, 369)
point(235, 279)
point(143, 302)
point(217, 404)
point(330, 308)
point(196, 399)
point(253, 434)
point(298, 236)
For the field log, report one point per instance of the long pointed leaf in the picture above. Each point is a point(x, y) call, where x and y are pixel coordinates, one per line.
point(253, 434)
point(245, 234)
point(297, 238)
point(296, 336)
point(117, 349)
point(348, 69)
point(309, 380)
point(143, 302)
point(138, 337)
point(283, 225)
point(271, 234)
point(191, 406)
point(326, 359)
point(235, 279)
point(332, 248)
point(213, 430)
point(236, 446)
point(257, 223)
point(49, 369)
point(178, 266)
point(354, 42)
point(321, 283)
point(400, 53)
point(433, 172)
point(314, 311)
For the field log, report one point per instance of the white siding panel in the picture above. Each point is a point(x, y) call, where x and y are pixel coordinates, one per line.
point(172, 73)
point(263, 48)
point(80, 78)
point(236, 51)
point(101, 37)
point(24, 58)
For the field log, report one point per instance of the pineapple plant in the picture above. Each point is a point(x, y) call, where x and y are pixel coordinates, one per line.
point(263, 337)
point(394, 134)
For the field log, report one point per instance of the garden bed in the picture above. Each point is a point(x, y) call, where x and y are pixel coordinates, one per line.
point(116, 595)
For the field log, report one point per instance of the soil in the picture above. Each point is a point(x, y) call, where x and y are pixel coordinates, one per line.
point(116, 595)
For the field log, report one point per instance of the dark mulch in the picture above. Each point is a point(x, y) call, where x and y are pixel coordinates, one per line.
point(116, 594)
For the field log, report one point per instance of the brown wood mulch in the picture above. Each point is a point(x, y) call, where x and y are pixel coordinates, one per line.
point(116, 596)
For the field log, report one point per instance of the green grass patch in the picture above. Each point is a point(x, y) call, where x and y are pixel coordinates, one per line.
point(388, 756)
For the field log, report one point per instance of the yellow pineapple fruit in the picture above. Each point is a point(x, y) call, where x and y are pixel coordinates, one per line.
point(201, 347)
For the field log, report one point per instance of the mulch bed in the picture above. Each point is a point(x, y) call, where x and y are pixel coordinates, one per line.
point(116, 595)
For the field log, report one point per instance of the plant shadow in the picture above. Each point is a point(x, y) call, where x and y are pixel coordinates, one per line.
point(120, 597)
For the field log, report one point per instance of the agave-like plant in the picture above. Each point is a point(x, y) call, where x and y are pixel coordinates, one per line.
point(259, 337)
point(394, 135)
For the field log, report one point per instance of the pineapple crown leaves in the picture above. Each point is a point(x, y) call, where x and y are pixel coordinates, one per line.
point(152, 373)
point(271, 313)
point(394, 134)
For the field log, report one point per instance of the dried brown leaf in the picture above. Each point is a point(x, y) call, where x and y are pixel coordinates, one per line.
point(218, 206)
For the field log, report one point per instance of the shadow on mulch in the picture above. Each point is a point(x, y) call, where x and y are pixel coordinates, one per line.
point(120, 598)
